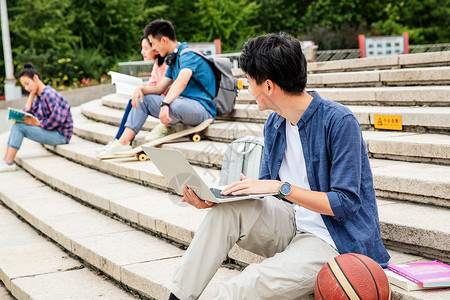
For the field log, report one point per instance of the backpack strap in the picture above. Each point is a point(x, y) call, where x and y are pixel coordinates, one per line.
point(192, 77)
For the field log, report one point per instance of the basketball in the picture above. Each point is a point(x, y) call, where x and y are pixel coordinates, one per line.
point(352, 276)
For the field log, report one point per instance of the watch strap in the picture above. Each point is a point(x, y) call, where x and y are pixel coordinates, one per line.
point(280, 194)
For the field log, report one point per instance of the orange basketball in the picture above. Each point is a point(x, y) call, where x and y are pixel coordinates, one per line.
point(352, 276)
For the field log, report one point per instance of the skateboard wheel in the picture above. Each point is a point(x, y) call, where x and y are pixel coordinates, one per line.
point(196, 138)
point(141, 156)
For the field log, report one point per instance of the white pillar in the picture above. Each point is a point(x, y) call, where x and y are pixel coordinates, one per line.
point(11, 90)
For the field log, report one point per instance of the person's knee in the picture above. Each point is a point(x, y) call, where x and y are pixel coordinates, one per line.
point(19, 127)
point(152, 99)
point(234, 210)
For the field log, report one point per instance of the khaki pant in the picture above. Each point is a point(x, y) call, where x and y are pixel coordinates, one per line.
point(265, 227)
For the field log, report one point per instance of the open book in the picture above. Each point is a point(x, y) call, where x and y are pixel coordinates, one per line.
point(125, 84)
point(426, 274)
point(17, 115)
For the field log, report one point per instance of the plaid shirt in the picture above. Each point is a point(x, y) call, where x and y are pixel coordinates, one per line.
point(53, 112)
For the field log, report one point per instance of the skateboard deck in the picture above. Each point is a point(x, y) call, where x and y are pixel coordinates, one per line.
point(195, 130)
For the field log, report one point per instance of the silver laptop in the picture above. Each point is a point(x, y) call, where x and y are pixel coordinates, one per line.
point(178, 172)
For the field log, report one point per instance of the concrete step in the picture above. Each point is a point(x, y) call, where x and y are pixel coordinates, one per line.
point(171, 220)
point(167, 216)
point(86, 237)
point(414, 76)
point(4, 293)
point(387, 96)
point(242, 111)
point(424, 183)
point(220, 130)
point(434, 148)
point(31, 267)
point(431, 59)
point(378, 78)
point(414, 119)
point(410, 147)
point(135, 259)
point(428, 237)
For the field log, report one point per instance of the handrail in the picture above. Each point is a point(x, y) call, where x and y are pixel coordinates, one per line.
point(144, 68)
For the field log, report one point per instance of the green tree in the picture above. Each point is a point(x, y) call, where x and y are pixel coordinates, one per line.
point(181, 13)
point(112, 27)
point(426, 21)
point(282, 15)
point(37, 25)
point(227, 20)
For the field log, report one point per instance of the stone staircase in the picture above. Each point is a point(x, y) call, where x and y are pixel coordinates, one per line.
point(72, 226)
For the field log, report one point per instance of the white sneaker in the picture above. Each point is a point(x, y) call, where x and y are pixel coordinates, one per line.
point(158, 132)
point(111, 151)
point(103, 148)
point(5, 167)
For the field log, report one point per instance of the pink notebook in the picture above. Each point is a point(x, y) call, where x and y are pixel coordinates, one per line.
point(426, 274)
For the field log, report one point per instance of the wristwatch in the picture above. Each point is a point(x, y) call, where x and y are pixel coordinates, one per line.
point(164, 104)
point(285, 190)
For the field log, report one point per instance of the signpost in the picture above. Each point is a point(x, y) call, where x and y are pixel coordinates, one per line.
point(309, 50)
point(11, 90)
point(207, 48)
point(376, 46)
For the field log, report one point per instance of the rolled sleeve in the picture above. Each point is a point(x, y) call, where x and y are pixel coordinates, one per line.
point(345, 172)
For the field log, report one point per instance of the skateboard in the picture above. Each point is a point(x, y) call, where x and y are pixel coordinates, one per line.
point(193, 132)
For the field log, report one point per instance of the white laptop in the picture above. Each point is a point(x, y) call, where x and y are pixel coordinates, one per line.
point(178, 172)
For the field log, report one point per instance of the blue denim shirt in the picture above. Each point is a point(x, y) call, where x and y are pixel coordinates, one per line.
point(337, 164)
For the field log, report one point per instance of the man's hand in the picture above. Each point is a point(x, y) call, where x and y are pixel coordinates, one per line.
point(31, 121)
point(190, 197)
point(138, 95)
point(164, 115)
point(252, 186)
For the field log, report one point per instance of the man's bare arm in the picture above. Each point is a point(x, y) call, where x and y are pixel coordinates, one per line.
point(156, 90)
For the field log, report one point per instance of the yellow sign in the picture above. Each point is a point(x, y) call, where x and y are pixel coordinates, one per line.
point(388, 122)
point(240, 84)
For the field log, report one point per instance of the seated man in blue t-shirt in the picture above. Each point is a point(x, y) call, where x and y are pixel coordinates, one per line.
point(185, 102)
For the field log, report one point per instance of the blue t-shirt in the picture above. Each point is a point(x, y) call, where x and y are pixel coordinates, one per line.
point(202, 72)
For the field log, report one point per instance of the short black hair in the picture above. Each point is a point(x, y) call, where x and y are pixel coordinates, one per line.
point(159, 58)
point(29, 71)
point(277, 57)
point(160, 28)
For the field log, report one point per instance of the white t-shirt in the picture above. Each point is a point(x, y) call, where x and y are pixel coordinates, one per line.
point(294, 172)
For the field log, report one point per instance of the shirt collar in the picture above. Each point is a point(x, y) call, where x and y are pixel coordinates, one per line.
point(43, 90)
point(309, 112)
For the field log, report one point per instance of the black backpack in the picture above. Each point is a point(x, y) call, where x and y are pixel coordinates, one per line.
point(226, 84)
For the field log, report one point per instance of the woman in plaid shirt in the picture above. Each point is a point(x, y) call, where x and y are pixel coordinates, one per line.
point(52, 122)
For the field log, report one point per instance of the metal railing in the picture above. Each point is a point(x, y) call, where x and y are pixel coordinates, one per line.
point(327, 55)
point(144, 68)
point(136, 68)
point(429, 48)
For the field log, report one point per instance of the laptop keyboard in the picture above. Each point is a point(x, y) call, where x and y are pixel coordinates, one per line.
point(216, 193)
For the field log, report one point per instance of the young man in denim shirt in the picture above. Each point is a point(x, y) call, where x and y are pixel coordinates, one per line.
point(316, 160)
